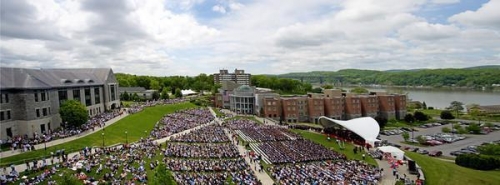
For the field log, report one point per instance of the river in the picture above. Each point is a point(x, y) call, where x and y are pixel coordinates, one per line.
point(441, 98)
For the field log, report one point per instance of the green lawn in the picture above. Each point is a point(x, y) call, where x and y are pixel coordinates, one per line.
point(439, 172)
point(321, 139)
point(217, 112)
point(137, 125)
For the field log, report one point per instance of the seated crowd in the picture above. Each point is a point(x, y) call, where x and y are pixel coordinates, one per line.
point(327, 172)
point(225, 150)
point(297, 151)
point(26, 144)
point(202, 165)
point(208, 134)
point(180, 121)
point(241, 177)
point(268, 133)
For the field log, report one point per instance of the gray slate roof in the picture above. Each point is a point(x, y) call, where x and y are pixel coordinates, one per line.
point(21, 78)
point(131, 89)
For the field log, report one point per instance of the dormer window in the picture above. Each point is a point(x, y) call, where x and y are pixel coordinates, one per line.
point(66, 81)
point(89, 81)
point(79, 81)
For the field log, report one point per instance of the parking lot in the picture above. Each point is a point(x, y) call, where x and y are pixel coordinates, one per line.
point(445, 148)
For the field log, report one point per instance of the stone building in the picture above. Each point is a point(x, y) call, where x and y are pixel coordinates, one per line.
point(31, 97)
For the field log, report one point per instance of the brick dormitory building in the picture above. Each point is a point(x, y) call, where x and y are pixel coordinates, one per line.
point(308, 108)
point(30, 98)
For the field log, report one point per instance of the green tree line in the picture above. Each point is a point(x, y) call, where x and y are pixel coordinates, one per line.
point(468, 77)
point(206, 82)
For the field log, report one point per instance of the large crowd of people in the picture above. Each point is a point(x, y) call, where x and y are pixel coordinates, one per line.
point(204, 156)
point(180, 121)
point(189, 150)
point(268, 133)
point(208, 134)
point(338, 172)
point(297, 151)
point(26, 143)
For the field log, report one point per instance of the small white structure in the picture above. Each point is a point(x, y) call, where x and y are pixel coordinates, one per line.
point(187, 92)
point(366, 127)
point(396, 153)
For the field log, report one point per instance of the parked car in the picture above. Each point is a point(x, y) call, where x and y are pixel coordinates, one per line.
point(423, 152)
point(435, 153)
point(456, 153)
point(414, 150)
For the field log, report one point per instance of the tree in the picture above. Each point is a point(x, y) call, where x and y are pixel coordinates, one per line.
point(406, 136)
point(456, 106)
point(359, 90)
point(420, 116)
point(178, 93)
point(421, 139)
point(135, 97)
point(125, 96)
point(447, 115)
point(327, 86)
point(382, 121)
point(155, 95)
point(162, 176)
point(317, 90)
point(474, 128)
point(164, 93)
point(73, 112)
point(409, 118)
point(446, 130)
point(154, 84)
point(424, 105)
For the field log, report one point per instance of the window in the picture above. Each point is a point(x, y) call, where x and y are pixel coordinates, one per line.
point(37, 113)
point(43, 96)
point(88, 100)
point(97, 96)
point(112, 92)
point(4, 98)
point(8, 114)
point(44, 111)
point(63, 95)
point(76, 94)
point(36, 96)
point(2, 116)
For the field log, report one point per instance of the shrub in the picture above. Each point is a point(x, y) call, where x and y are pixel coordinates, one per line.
point(446, 130)
point(478, 162)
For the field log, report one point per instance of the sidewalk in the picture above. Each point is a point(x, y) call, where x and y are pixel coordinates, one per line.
point(41, 146)
point(388, 178)
point(263, 177)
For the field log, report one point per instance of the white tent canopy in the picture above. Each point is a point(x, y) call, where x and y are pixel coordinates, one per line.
point(187, 92)
point(366, 127)
point(395, 152)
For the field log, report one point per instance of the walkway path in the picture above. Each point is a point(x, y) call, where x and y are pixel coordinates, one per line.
point(263, 177)
point(9, 153)
point(388, 178)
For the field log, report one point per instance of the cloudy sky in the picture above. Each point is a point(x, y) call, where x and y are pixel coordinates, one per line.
point(188, 37)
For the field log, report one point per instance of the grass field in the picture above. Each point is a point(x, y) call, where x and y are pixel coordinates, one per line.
point(321, 139)
point(439, 172)
point(137, 125)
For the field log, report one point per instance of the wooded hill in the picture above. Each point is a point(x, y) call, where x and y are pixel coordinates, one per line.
point(467, 77)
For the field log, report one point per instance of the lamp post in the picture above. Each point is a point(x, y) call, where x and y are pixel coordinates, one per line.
point(102, 140)
point(126, 137)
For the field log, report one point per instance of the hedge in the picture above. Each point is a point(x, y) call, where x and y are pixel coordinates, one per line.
point(478, 162)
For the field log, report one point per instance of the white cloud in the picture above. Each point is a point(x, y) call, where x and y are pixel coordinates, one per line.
point(158, 37)
point(487, 16)
point(428, 32)
point(219, 8)
point(445, 1)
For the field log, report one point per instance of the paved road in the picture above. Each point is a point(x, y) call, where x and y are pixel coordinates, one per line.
point(446, 148)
